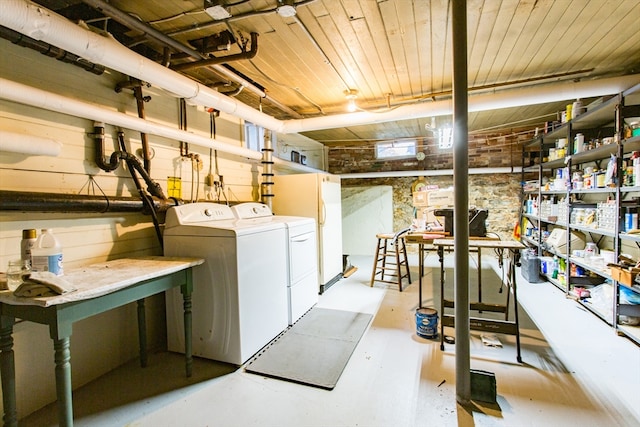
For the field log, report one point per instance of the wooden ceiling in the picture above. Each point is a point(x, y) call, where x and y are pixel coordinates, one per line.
point(392, 52)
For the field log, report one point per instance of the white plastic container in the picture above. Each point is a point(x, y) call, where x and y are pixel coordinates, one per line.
point(46, 255)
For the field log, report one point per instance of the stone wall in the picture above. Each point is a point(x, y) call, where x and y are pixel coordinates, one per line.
point(498, 193)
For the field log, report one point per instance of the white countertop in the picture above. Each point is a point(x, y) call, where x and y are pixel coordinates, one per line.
point(102, 278)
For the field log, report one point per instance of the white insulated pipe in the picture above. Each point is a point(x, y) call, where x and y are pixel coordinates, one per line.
point(39, 98)
point(28, 144)
point(42, 24)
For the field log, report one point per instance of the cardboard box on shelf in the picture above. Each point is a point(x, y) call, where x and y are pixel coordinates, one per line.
point(624, 275)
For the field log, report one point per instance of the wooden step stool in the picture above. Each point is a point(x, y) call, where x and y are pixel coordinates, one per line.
point(391, 259)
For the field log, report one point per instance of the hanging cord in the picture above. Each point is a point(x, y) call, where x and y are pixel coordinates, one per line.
point(210, 181)
point(91, 185)
point(192, 178)
point(133, 165)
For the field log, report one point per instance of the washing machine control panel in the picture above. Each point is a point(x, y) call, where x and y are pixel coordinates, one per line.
point(197, 212)
point(252, 210)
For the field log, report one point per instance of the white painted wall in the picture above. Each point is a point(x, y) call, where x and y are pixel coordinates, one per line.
point(366, 211)
point(104, 342)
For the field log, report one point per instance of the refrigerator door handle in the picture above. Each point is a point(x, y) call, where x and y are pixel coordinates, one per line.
point(323, 217)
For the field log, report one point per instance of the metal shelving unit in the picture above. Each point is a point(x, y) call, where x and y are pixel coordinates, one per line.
point(605, 119)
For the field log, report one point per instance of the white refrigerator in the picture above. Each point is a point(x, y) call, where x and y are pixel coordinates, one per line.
point(315, 195)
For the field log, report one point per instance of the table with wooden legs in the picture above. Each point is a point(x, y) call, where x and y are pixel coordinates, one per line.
point(100, 287)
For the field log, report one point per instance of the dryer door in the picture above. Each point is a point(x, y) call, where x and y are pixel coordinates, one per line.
point(303, 256)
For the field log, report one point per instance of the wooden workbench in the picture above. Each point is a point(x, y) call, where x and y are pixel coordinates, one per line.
point(99, 288)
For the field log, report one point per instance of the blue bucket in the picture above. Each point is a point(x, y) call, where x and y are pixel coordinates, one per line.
point(427, 322)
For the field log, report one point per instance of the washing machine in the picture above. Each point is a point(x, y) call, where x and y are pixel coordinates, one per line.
point(240, 292)
point(302, 255)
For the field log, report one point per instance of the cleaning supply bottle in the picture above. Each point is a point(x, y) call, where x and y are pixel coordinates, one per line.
point(555, 268)
point(26, 244)
point(46, 255)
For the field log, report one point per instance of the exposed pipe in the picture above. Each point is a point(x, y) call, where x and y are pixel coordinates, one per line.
point(71, 203)
point(28, 144)
point(140, 100)
point(134, 165)
point(221, 59)
point(326, 58)
point(42, 24)
point(539, 94)
point(136, 24)
point(50, 50)
point(27, 95)
point(99, 158)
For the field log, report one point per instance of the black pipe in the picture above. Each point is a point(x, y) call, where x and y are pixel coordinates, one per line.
point(76, 203)
point(221, 59)
point(100, 159)
point(140, 100)
point(134, 164)
point(50, 50)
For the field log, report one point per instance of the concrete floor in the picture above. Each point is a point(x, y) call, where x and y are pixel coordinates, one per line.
point(576, 371)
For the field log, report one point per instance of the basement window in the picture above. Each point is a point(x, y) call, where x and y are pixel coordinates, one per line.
point(253, 136)
point(396, 149)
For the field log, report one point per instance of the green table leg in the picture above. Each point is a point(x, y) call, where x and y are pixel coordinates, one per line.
point(63, 381)
point(187, 334)
point(142, 333)
point(8, 372)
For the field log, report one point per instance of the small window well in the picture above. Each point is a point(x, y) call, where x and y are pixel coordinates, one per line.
point(396, 149)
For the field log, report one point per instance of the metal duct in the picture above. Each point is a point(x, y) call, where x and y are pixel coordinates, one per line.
point(221, 59)
point(74, 203)
point(45, 25)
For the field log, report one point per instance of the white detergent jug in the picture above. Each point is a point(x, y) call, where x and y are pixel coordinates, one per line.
point(46, 254)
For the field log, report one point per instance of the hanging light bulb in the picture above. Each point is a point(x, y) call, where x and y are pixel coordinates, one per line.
point(216, 9)
point(287, 8)
point(351, 95)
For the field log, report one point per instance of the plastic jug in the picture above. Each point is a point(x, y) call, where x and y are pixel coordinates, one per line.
point(590, 250)
point(46, 255)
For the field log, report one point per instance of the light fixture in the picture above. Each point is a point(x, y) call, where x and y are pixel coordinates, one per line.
point(287, 8)
point(216, 10)
point(351, 95)
point(431, 127)
point(445, 137)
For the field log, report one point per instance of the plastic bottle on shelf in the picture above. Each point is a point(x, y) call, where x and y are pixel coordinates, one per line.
point(46, 255)
point(556, 265)
point(630, 219)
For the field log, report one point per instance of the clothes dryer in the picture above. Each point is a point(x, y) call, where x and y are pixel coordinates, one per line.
point(302, 255)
